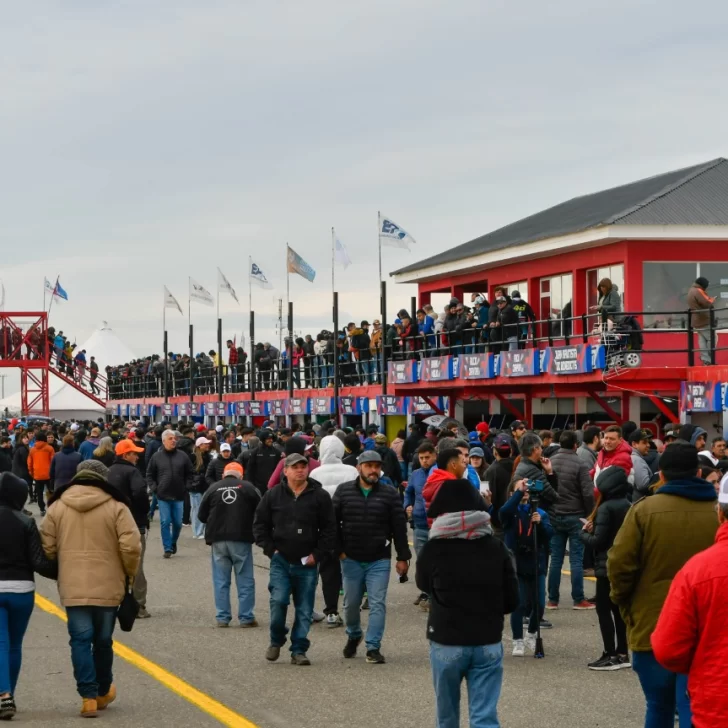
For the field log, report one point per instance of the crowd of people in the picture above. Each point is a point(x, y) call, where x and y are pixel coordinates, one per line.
point(492, 515)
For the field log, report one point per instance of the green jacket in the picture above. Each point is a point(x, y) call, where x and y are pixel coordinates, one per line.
point(659, 534)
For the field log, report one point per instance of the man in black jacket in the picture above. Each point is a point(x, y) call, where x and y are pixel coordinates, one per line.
point(472, 580)
point(295, 527)
point(169, 476)
point(217, 465)
point(507, 322)
point(262, 462)
point(369, 517)
point(124, 475)
point(227, 509)
point(498, 476)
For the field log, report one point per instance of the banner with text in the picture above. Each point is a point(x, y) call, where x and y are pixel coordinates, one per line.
point(349, 405)
point(478, 366)
point(298, 406)
point(389, 404)
point(522, 363)
point(576, 359)
point(322, 405)
point(700, 397)
point(437, 369)
point(402, 372)
point(418, 406)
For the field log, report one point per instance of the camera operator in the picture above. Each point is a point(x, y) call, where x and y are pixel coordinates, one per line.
point(527, 532)
point(533, 466)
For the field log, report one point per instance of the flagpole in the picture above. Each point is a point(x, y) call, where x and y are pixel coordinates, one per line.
point(379, 241)
point(50, 305)
point(333, 260)
point(189, 301)
point(44, 292)
point(288, 278)
point(250, 284)
point(217, 298)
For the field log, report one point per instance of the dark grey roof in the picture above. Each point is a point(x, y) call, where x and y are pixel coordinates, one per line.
point(690, 196)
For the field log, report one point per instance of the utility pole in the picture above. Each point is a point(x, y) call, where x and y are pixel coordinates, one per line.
point(2, 384)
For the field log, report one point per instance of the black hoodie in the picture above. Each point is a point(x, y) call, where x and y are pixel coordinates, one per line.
point(21, 551)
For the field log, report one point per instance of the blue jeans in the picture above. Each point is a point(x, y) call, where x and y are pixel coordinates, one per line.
point(15, 611)
point(170, 522)
point(567, 529)
point(365, 370)
point(482, 668)
point(512, 343)
point(288, 579)
point(198, 528)
point(373, 579)
point(92, 648)
point(237, 556)
point(153, 506)
point(663, 691)
point(526, 591)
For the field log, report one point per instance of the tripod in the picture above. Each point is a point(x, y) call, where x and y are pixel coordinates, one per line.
point(538, 653)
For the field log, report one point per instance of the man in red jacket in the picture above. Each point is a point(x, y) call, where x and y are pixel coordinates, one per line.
point(691, 635)
point(615, 451)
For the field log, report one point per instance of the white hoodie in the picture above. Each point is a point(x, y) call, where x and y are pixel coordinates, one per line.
point(332, 472)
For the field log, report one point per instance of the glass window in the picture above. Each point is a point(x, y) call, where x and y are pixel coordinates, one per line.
point(556, 303)
point(717, 274)
point(615, 273)
point(664, 291)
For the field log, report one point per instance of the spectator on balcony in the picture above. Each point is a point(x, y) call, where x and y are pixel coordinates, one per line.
point(507, 323)
point(263, 366)
point(700, 304)
point(308, 353)
point(525, 314)
point(609, 303)
point(79, 363)
point(360, 348)
point(232, 365)
point(495, 337)
point(94, 373)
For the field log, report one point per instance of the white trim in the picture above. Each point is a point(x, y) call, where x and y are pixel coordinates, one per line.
point(592, 237)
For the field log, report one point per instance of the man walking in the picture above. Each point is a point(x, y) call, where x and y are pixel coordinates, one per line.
point(575, 502)
point(369, 517)
point(262, 462)
point(169, 476)
point(124, 475)
point(227, 509)
point(294, 525)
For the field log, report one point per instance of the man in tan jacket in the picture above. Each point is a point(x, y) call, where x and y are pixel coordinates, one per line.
point(91, 531)
point(700, 304)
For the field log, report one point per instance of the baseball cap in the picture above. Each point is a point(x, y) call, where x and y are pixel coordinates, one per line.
point(517, 425)
point(477, 452)
point(199, 427)
point(502, 442)
point(233, 469)
point(219, 428)
point(501, 299)
point(202, 441)
point(364, 323)
point(369, 456)
point(294, 458)
point(125, 446)
point(639, 435)
point(225, 447)
point(723, 492)
point(482, 427)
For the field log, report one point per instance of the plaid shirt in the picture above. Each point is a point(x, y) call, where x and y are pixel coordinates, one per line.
point(233, 356)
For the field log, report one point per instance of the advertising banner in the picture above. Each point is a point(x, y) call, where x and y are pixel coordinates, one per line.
point(254, 408)
point(437, 369)
point(478, 366)
point(522, 363)
point(322, 405)
point(389, 404)
point(700, 397)
point(418, 406)
point(298, 406)
point(349, 405)
point(402, 372)
point(576, 359)
point(278, 407)
point(168, 410)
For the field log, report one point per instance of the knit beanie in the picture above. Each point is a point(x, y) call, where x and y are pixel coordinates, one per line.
point(94, 466)
point(703, 282)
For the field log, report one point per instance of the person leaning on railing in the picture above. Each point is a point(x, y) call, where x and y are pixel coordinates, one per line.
point(609, 303)
point(700, 304)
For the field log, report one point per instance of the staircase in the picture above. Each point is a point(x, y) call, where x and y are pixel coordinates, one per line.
point(83, 384)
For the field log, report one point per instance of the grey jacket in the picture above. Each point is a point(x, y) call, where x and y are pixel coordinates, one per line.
point(642, 474)
point(531, 471)
point(576, 490)
point(587, 456)
point(611, 303)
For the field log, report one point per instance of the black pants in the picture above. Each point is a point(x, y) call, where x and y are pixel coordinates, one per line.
point(40, 486)
point(610, 620)
point(330, 572)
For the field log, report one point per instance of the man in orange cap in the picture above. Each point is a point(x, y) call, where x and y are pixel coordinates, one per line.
point(227, 509)
point(124, 475)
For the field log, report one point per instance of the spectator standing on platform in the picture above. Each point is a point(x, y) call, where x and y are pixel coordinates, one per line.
point(700, 304)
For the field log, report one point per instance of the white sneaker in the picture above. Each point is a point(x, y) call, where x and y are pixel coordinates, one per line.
point(518, 649)
point(318, 616)
point(530, 641)
point(334, 620)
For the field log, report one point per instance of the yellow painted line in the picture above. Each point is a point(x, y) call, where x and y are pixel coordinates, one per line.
point(200, 700)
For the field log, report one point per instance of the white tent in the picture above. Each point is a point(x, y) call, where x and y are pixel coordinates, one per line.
point(66, 402)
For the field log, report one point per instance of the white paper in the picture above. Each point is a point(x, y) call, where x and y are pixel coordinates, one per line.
point(484, 486)
point(304, 559)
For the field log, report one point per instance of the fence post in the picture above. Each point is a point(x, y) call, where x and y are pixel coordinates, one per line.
point(712, 336)
point(584, 325)
point(691, 349)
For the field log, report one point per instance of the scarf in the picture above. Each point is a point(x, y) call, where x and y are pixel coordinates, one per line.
point(463, 524)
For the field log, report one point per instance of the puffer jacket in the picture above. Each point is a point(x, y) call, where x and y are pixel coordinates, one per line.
point(658, 536)
point(199, 484)
point(169, 474)
point(127, 479)
point(331, 472)
point(620, 456)
point(63, 467)
point(390, 464)
point(614, 487)
point(576, 490)
point(413, 497)
point(214, 471)
point(368, 525)
point(39, 461)
point(20, 463)
point(89, 529)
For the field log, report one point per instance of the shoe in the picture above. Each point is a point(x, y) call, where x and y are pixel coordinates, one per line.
point(425, 605)
point(350, 647)
point(272, 653)
point(552, 605)
point(420, 597)
point(584, 604)
point(623, 662)
point(545, 624)
point(89, 708)
point(174, 549)
point(167, 554)
point(334, 620)
point(223, 625)
point(605, 663)
point(300, 660)
point(7, 708)
point(318, 616)
point(103, 701)
point(588, 573)
point(249, 625)
point(519, 649)
point(375, 657)
point(365, 603)
point(26, 512)
point(529, 641)
point(42, 514)
point(143, 614)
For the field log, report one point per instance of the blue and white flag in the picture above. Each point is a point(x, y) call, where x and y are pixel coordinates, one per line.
point(296, 264)
point(341, 254)
point(258, 277)
point(59, 293)
point(393, 235)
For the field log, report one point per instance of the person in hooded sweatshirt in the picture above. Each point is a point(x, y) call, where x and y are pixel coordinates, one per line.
point(21, 555)
point(91, 583)
point(472, 582)
point(331, 473)
point(39, 467)
point(292, 445)
point(693, 434)
point(599, 533)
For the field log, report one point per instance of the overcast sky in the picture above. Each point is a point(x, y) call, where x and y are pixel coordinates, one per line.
point(144, 142)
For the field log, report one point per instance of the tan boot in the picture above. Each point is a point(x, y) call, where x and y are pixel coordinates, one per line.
point(104, 700)
point(90, 708)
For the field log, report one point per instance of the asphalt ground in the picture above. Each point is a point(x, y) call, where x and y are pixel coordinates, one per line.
point(183, 670)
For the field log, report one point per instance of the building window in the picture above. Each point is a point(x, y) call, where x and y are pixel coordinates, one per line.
point(555, 304)
point(665, 287)
point(615, 273)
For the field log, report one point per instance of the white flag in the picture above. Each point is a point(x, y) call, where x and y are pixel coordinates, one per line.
point(223, 284)
point(393, 235)
point(257, 276)
point(170, 301)
point(48, 286)
point(341, 254)
point(199, 293)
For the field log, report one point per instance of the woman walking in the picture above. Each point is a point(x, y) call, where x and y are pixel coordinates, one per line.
point(599, 533)
point(21, 554)
point(201, 459)
point(104, 453)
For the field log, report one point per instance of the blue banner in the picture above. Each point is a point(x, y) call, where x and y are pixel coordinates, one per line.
point(255, 408)
point(278, 407)
point(134, 411)
point(402, 372)
point(700, 397)
point(349, 405)
point(576, 359)
point(169, 410)
point(298, 406)
point(478, 366)
point(322, 405)
point(241, 409)
point(195, 409)
point(389, 404)
point(521, 363)
point(418, 406)
point(437, 369)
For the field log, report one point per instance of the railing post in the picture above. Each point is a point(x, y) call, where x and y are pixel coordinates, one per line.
point(584, 328)
point(549, 331)
point(691, 349)
point(712, 336)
